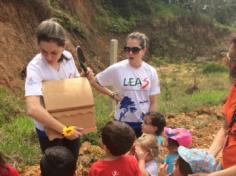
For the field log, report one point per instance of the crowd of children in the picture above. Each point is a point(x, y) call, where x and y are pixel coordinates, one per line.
point(126, 155)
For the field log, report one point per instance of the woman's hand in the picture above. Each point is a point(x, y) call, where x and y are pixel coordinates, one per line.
point(89, 74)
point(72, 132)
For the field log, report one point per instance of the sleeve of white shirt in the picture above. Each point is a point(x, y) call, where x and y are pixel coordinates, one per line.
point(33, 82)
point(155, 83)
point(107, 76)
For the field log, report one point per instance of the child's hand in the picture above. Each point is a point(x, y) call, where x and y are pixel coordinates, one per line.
point(140, 154)
point(163, 170)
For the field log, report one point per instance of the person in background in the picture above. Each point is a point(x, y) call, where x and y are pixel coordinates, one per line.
point(225, 139)
point(192, 161)
point(117, 139)
point(58, 161)
point(146, 151)
point(135, 83)
point(52, 63)
point(175, 137)
point(6, 169)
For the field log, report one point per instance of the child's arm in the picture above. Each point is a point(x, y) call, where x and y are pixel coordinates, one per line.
point(141, 156)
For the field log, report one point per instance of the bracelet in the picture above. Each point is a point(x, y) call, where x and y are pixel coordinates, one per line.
point(113, 94)
point(68, 131)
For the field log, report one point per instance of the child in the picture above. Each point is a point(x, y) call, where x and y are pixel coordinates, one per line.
point(117, 139)
point(193, 161)
point(6, 169)
point(154, 123)
point(58, 161)
point(146, 149)
point(175, 138)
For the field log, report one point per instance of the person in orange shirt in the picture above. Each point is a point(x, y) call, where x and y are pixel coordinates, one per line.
point(225, 139)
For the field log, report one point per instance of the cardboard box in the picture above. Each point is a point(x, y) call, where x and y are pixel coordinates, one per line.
point(71, 102)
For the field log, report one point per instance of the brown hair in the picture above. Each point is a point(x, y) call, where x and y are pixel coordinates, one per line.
point(50, 30)
point(118, 137)
point(157, 120)
point(231, 59)
point(141, 37)
point(149, 142)
point(184, 167)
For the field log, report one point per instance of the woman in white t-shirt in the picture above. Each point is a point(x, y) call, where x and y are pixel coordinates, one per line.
point(135, 82)
point(52, 63)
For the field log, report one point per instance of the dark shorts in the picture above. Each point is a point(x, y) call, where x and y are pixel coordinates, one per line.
point(137, 127)
point(72, 145)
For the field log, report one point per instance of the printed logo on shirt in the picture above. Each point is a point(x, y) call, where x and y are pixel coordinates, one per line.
point(115, 173)
point(30, 81)
point(128, 106)
point(136, 82)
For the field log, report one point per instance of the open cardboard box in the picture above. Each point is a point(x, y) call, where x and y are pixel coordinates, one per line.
point(71, 102)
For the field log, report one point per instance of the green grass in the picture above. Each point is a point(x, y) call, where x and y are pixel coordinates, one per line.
point(18, 141)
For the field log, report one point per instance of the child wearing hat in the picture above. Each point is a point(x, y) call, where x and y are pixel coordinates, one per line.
point(192, 161)
point(175, 138)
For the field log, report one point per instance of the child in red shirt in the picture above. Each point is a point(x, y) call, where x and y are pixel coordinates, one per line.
point(117, 138)
point(6, 169)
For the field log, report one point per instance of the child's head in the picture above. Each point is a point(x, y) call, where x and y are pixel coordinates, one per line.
point(118, 137)
point(194, 161)
point(178, 137)
point(153, 123)
point(58, 161)
point(148, 143)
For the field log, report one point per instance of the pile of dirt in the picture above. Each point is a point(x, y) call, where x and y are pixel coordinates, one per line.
point(203, 123)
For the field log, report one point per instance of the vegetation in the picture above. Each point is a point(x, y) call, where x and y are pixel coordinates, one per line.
point(17, 132)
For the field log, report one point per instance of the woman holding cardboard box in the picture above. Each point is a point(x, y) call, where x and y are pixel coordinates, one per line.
point(52, 63)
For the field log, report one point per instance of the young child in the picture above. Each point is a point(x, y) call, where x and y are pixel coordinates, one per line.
point(175, 138)
point(146, 150)
point(58, 161)
point(6, 169)
point(117, 139)
point(192, 161)
point(154, 123)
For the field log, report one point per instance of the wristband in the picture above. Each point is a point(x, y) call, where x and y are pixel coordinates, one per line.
point(68, 131)
point(113, 94)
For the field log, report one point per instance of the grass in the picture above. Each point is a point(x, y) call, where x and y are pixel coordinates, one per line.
point(17, 133)
point(19, 141)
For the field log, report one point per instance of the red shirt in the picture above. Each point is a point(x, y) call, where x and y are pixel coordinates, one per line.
point(8, 170)
point(229, 150)
point(126, 165)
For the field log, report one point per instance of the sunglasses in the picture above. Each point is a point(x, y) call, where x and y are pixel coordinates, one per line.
point(135, 50)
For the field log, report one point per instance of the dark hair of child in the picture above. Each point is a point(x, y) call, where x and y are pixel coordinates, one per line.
point(2, 165)
point(172, 142)
point(184, 167)
point(58, 161)
point(158, 120)
point(118, 137)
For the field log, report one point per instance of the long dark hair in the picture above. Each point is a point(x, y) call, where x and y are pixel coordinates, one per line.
point(184, 167)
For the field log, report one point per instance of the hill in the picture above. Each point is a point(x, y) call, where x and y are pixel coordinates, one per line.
point(174, 32)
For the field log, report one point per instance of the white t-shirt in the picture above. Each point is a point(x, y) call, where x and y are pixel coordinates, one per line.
point(38, 70)
point(134, 85)
point(151, 167)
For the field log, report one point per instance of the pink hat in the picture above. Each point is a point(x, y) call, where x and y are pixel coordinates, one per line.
point(181, 135)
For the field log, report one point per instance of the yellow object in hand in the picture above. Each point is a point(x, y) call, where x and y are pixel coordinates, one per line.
point(68, 131)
